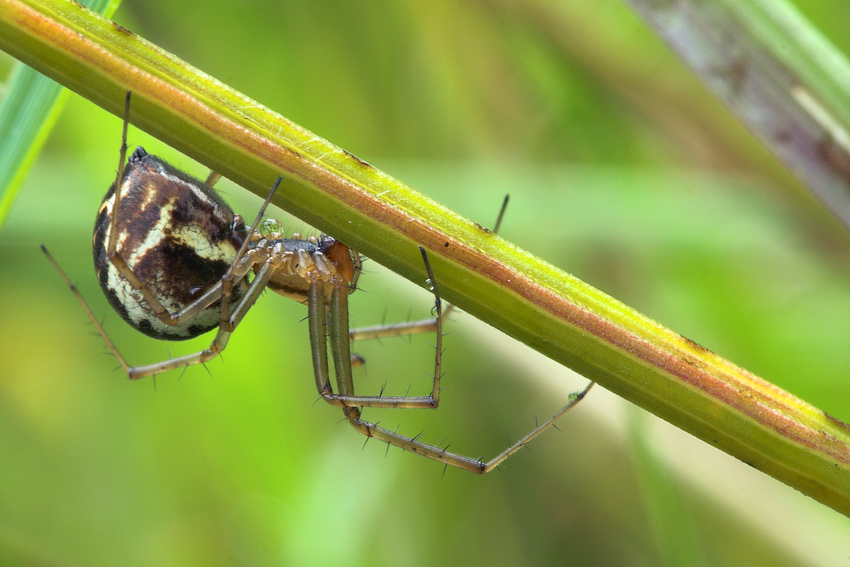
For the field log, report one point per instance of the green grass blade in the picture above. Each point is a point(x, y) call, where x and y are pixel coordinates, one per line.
point(669, 517)
point(28, 111)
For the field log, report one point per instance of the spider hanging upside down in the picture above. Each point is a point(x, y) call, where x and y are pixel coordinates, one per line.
point(175, 262)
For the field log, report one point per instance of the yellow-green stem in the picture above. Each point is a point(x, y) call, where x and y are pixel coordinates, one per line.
point(490, 278)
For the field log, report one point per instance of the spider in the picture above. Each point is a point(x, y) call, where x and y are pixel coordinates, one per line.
point(175, 262)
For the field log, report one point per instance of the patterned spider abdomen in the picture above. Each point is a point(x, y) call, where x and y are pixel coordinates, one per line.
point(176, 235)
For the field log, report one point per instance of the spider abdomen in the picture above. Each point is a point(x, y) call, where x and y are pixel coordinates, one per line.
point(176, 235)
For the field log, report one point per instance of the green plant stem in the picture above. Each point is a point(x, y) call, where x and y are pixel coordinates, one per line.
point(488, 277)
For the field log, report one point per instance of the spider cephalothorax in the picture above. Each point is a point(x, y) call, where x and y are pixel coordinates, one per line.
point(298, 261)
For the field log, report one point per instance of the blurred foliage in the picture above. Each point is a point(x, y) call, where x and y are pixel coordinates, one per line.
point(622, 170)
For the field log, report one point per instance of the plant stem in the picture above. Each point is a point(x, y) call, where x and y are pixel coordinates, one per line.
point(483, 274)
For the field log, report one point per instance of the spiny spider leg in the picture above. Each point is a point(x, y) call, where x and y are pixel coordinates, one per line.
point(112, 348)
point(442, 455)
point(423, 325)
point(338, 331)
point(239, 269)
point(352, 404)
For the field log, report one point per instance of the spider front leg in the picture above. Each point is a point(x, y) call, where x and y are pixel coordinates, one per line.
point(331, 320)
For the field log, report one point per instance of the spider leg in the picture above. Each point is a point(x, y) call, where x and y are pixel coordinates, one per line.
point(212, 178)
point(216, 346)
point(241, 266)
point(122, 160)
point(332, 320)
point(111, 253)
point(440, 454)
point(221, 337)
point(424, 325)
point(400, 329)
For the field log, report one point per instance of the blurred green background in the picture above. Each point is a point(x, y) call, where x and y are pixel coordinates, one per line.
point(622, 170)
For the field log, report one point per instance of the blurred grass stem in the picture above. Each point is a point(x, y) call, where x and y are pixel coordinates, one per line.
point(778, 75)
